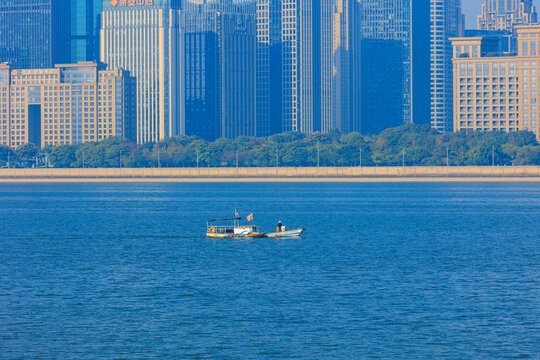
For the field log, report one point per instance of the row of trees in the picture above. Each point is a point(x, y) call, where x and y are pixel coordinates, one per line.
point(406, 145)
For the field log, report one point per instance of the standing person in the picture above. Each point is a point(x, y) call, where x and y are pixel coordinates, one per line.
point(279, 226)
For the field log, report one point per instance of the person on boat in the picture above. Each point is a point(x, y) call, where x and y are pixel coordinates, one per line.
point(280, 227)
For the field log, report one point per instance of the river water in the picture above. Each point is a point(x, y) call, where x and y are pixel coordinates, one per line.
point(385, 271)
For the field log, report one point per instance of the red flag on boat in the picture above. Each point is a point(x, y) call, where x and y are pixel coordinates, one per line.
point(250, 217)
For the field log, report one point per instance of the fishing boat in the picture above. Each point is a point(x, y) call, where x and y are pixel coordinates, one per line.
point(236, 230)
point(287, 234)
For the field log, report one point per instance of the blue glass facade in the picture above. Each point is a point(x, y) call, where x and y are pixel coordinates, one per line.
point(34, 33)
point(220, 76)
point(84, 31)
point(268, 67)
point(203, 117)
point(394, 64)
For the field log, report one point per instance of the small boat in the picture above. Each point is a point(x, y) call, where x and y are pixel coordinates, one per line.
point(236, 230)
point(287, 234)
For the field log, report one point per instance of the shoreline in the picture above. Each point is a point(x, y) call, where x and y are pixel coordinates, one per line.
point(277, 180)
point(275, 175)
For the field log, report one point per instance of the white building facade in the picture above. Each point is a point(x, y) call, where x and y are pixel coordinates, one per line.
point(146, 37)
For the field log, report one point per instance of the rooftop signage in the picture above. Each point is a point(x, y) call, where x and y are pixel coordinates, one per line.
point(128, 5)
point(116, 3)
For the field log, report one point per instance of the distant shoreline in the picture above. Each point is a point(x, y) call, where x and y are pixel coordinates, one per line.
point(276, 175)
point(275, 180)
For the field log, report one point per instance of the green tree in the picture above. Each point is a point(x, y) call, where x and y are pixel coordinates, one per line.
point(27, 152)
point(7, 155)
point(63, 156)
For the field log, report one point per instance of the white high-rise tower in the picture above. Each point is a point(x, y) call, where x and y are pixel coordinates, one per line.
point(147, 39)
point(505, 14)
point(446, 22)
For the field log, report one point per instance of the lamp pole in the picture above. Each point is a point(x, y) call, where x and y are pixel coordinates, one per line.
point(493, 156)
point(318, 157)
point(403, 159)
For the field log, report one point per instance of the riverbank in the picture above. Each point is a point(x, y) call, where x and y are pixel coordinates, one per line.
point(275, 180)
point(286, 174)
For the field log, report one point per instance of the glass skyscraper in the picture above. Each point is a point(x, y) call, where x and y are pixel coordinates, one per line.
point(34, 33)
point(317, 48)
point(202, 72)
point(84, 30)
point(220, 73)
point(394, 61)
point(446, 22)
point(268, 67)
point(346, 71)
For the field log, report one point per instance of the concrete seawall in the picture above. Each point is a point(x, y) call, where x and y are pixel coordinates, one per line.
point(322, 174)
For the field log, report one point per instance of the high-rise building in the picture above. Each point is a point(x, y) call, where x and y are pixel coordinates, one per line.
point(505, 14)
point(84, 30)
point(394, 64)
point(220, 69)
point(68, 104)
point(290, 38)
point(316, 41)
point(446, 22)
point(494, 91)
point(352, 78)
point(34, 33)
point(202, 72)
point(146, 37)
point(39, 34)
point(340, 49)
point(268, 67)
point(346, 80)
point(238, 82)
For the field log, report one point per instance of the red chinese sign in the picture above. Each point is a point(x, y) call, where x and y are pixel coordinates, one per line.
point(132, 2)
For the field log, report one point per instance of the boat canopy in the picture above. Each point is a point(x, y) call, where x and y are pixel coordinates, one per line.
point(234, 218)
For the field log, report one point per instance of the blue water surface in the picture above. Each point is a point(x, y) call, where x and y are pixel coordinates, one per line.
point(385, 271)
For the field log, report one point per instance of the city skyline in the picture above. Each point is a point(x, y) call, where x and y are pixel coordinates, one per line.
point(225, 69)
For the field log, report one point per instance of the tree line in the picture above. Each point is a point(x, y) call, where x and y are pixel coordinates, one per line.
point(409, 145)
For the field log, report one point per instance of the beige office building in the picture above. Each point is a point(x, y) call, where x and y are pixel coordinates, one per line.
point(495, 91)
point(70, 104)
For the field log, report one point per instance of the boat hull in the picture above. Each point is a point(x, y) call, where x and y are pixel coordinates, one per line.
point(287, 234)
point(237, 236)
